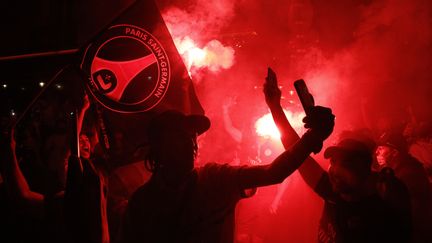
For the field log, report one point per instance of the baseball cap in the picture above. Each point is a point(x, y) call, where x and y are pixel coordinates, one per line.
point(351, 148)
point(393, 140)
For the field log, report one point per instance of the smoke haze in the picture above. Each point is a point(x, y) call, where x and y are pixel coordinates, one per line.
point(370, 61)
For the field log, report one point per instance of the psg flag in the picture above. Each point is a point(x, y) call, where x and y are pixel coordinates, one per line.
point(133, 70)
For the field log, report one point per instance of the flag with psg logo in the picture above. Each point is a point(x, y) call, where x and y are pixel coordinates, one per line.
point(133, 70)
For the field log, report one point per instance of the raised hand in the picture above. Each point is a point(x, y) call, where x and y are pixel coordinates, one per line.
point(228, 103)
point(320, 123)
point(271, 90)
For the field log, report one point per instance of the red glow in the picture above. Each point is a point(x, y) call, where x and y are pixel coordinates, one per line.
point(191, 54)
point(214, 55)
point(265, 127)
point(190, 30)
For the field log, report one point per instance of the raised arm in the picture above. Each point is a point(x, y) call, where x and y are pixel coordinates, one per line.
point(14, 180)
point(320, 124)
point(310, 170)
point(235, 133)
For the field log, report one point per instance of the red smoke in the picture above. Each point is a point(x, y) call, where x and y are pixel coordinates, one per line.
point(265, 127)
point(201, 24)
point(369, 61)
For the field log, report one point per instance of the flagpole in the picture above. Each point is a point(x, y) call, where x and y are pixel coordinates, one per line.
point(39, 54)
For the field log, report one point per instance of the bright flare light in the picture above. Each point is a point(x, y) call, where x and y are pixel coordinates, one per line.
point(191, 54)
point(214, 55)
point(265, 127)
point(196, 55)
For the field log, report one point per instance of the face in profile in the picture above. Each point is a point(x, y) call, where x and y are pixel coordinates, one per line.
point(84, 143)
point(343, 179)
point(383, 154)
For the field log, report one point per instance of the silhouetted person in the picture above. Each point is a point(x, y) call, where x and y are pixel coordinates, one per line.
point(87, 204)
point(182, 203)
point(359, 206)
point(392, 152)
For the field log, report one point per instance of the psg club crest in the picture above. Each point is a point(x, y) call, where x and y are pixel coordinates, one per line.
point(128, 69)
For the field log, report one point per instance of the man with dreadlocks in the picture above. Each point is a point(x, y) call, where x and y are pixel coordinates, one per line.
point(181, 203)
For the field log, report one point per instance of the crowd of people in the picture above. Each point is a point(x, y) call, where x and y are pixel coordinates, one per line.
point(376, 189)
